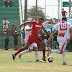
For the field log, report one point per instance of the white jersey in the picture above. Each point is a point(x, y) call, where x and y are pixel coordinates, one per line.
point(27, 32)
point(63, 27)
point(7, 22)
point(27, 35)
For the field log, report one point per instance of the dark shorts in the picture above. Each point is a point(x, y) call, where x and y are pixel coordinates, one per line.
point(15, 42)
point(34, 38)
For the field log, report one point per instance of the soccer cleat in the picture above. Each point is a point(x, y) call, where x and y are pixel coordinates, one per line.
point(13, 56)
point(38, 61)
point(20, 56)
point(44, 59)
point(64, 63)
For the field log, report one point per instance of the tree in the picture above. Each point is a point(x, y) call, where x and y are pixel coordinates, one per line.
point(40, 13)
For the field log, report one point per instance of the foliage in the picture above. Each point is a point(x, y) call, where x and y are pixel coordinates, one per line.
point(32, 11)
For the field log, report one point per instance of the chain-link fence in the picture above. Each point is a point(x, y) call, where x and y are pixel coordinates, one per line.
point(11, 38)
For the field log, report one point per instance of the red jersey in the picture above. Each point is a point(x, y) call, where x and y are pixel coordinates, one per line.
point(36, 27)
point(63, 13)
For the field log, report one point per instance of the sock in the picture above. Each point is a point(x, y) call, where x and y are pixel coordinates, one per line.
point(56, 51)
point(63, 56)
point(43, 52)
point(20, 50)
point(36, 55)
point(24, 52)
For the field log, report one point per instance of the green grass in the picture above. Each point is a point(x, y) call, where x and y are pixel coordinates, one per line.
point(28, 64)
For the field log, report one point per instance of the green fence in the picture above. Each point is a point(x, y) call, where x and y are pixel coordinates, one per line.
point(11, 39)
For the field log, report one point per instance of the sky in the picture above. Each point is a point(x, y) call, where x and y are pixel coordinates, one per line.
point(51, 7)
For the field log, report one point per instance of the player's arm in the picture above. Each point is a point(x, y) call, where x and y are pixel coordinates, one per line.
point(46, 31)
point(28, 29)
point(70, 33)
point(54, 31)
point(24, 23)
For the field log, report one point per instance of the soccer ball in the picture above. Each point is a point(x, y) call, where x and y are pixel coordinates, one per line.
point(50, 59)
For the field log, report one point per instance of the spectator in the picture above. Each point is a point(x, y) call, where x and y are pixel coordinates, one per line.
point(55, 41)
point(13, 28)
point(64, 13)
point(16, 34)
point(5, 27)
point(5, 1)
point(5, 24)
point(10, 3)
point(6, 34)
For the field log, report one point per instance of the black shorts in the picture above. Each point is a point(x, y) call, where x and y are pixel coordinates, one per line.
point(15, 42)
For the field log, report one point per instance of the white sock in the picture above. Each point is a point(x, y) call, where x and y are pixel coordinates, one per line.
point(24, 52)
point(63, 56)
point(56, 51)
point(36, 55)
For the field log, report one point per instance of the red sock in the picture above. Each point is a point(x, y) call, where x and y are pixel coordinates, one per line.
point(20, 50)
point(43, 52)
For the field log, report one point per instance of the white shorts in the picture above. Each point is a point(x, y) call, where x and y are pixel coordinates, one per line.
point(62, 43)
point(32, 45)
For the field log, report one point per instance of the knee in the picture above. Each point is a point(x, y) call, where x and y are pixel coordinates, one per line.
point(30, 50)
point(61, 52)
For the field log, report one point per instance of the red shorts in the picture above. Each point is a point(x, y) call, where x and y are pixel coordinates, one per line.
point(34, 38)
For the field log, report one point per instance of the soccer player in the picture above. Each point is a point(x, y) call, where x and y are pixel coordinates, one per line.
point(64, 13)
point(27, 30)
point(64, 34)
point(33, 37)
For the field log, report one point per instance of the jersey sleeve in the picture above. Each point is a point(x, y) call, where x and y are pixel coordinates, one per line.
point(8, 22)
point(25, 27)
point(42, 27)
point(3, 22)
point(33, 22)
point(56, 27)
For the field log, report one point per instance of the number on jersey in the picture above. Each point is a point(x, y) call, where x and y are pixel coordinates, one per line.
point(63, 26)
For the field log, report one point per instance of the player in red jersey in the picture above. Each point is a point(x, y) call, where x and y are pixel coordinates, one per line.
point(64, 13)
point(33, 37)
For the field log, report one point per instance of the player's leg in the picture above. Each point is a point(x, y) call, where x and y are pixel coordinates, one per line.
point(36, 52)
point(20, 50)
point(63, 57)
point(61, 42)
point(63, 54)
point(43, 45)
point(4, 3)
point(25, 51)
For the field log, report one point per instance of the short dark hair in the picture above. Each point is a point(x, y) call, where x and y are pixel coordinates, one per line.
point(41, 18)
point(64, 18)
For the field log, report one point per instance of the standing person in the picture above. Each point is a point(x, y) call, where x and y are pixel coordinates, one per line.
point(13, 28)
point(15, 35)
point(6, 34)
point(64, 13)
point(5, 1)
point(64, 34)
point(10, 3)
point(27, 30)
point(33, 37)
point(5, 24)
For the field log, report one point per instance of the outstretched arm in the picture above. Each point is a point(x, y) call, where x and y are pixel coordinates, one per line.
point(51, 35)
point(24, 23)
point(46, 31)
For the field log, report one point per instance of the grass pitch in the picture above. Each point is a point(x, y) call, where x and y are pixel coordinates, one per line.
point(28, 64)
